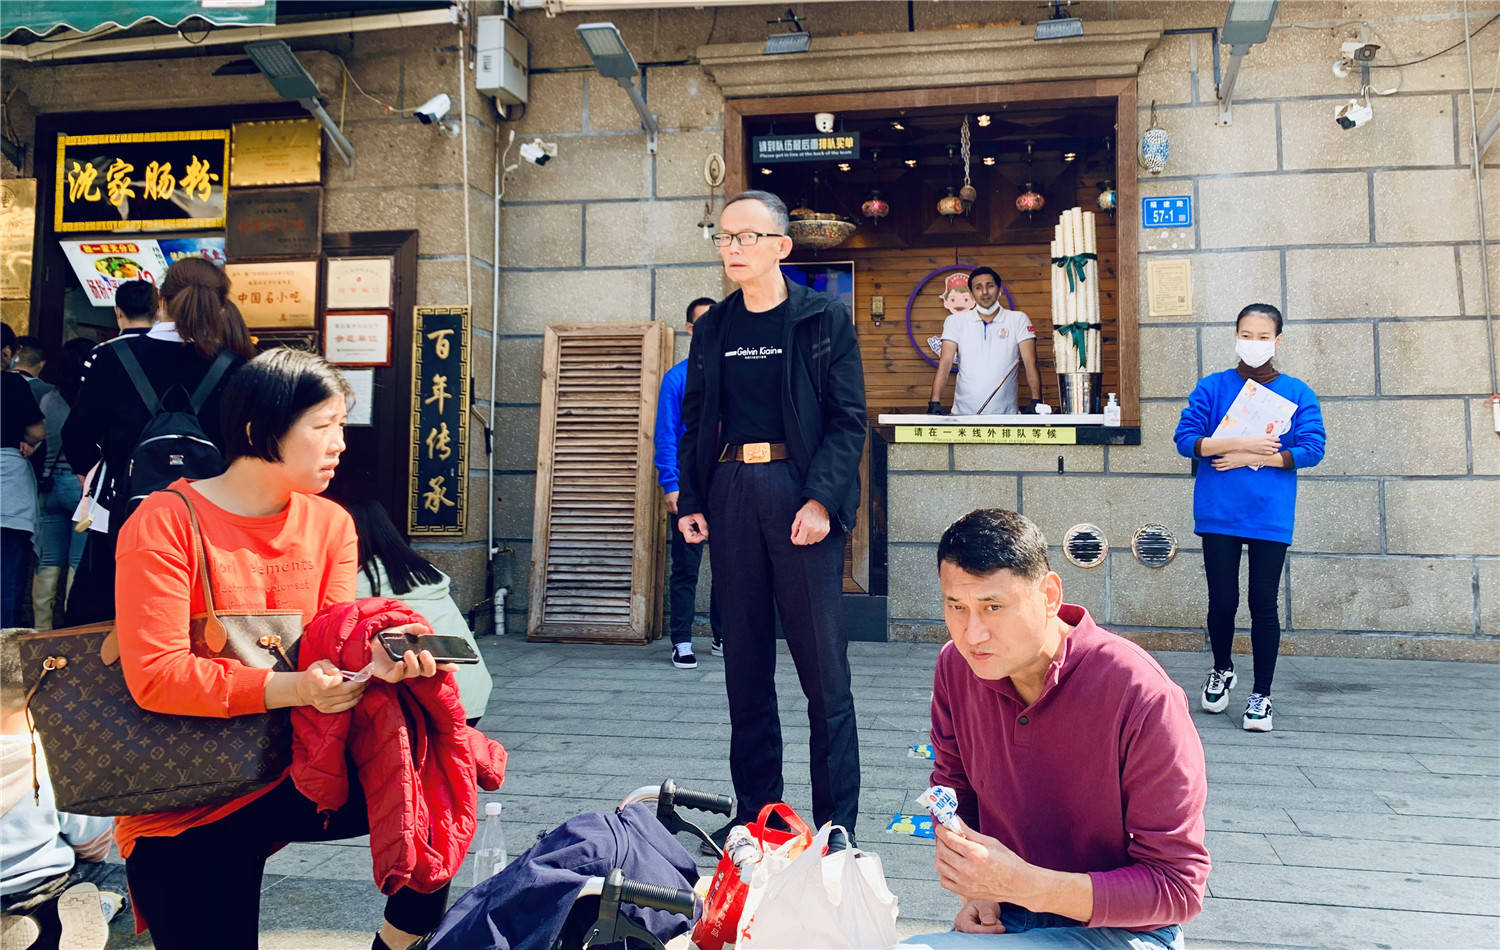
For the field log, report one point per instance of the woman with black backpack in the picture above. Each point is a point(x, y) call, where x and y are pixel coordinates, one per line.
point(178, 369)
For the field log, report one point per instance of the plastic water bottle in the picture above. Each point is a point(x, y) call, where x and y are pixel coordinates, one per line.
point(1112, 411)
point(743, 851)
point(489, 856)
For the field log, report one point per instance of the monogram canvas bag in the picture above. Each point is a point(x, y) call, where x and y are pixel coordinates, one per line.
point(108, 756)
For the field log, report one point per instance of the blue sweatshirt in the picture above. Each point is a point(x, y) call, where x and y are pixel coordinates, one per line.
point(1244, 502)
point(669, 427)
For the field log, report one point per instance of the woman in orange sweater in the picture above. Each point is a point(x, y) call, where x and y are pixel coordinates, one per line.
point(195, 874)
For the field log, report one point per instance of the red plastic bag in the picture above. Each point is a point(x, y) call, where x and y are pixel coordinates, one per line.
point(726, 892)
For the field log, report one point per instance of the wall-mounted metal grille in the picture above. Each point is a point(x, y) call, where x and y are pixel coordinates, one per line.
point(1085, 545)
point(1153, 545)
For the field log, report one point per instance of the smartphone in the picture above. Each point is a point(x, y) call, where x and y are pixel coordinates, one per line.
point(443, 649)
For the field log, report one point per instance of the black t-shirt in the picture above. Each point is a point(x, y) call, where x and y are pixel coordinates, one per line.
point(18, 409)
point(752, 374)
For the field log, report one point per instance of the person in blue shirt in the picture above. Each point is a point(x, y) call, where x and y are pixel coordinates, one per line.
point(1246, 497)
point(682, 588)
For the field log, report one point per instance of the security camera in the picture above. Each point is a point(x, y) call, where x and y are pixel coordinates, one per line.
point(434, 109)
point(1354, 53)
point(538, 152)
point(1353, 114)
point(823, 121)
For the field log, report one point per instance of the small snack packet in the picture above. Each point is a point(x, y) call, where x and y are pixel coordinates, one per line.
point(941, 801)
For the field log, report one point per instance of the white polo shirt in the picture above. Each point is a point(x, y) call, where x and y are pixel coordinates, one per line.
point(986, 352)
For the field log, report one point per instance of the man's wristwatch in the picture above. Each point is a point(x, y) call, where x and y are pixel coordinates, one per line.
point(935, 409)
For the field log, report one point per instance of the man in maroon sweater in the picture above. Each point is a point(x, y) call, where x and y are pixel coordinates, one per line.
point(1078, 771)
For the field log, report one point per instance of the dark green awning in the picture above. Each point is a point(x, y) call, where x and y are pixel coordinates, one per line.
point(43, 16)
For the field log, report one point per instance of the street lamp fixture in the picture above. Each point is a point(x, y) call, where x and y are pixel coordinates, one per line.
point(1248, 22)
point(613, 61)
point(291, 80)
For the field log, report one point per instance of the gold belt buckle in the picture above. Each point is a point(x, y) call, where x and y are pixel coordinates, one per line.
point(757, 453)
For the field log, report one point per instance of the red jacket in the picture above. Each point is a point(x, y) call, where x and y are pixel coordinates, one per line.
point(416, 759)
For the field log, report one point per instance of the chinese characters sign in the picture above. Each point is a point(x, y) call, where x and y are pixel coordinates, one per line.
point(989, 435)
point(275, 222)
point(440, 411)
point(101, 266)
point(275, 295)
point(357, 282)
point(141, 181)
point(837, 146)
point(357, 339)
point(280, 152)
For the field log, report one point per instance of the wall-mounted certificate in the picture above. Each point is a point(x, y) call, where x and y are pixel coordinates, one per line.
point(357, 339)
point(275, 295)
point(360, 283)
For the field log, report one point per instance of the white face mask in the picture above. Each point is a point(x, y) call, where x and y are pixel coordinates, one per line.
point(1255, 353)
point(990, 309)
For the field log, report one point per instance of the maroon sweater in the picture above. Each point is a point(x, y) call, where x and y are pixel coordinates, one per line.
point(1103, 774)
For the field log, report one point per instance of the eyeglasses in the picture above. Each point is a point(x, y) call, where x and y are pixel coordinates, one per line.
point(744, 238)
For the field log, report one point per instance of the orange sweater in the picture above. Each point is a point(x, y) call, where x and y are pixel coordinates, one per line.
point(303, 558)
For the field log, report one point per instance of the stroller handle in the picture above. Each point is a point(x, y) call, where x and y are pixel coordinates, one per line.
point(669, 899)
point(699, 801)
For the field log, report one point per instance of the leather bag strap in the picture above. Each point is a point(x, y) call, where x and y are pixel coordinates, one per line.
point(214, 633)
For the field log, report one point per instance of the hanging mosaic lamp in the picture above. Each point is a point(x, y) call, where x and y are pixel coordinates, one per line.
point(1029, 201)
point(950, 204)
point(875, 207)
point(1156, 146)
point(1107, 197)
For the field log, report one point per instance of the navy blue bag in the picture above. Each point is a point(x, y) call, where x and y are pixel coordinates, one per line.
point(530, 905)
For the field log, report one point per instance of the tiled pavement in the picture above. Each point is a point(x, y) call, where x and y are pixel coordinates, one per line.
point(1369, 818)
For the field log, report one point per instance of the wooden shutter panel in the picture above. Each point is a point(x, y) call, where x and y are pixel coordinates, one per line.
point(599, 528)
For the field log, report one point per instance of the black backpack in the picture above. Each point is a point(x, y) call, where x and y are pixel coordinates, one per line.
point(172, 445)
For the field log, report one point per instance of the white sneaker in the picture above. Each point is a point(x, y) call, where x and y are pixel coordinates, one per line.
point(1257, 713)
point(1216, 690)
point(82, 919)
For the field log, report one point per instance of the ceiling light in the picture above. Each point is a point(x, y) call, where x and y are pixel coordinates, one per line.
point(843, 166)
point(984, 120)
point(765, 171)
point(898, 126)
point(911, 163)
point(989, 159)
point(1069, 156)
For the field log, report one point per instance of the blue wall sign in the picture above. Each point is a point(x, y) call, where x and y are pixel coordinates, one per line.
point(1167, 211)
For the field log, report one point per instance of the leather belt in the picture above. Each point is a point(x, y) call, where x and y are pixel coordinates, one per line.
point(754, 453)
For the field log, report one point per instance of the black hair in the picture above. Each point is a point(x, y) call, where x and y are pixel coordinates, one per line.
point(137, 299)
point(994, 539)
point(67, 373)
point(1264, 310)
point(699, 302)
point(984, 270)
point(265, 397)
point(379, 539)
point(7, 338)
point(773, 204)
point(30, 349)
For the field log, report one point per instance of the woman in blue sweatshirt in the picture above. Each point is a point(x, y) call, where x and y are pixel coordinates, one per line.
point(1245, 496)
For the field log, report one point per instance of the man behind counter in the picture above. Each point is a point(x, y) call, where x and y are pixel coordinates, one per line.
point(988, 342)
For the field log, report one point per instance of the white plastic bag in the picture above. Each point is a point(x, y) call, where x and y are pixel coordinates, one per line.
point(837, 902)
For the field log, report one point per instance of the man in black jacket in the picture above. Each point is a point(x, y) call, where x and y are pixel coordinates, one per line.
point(774, 426)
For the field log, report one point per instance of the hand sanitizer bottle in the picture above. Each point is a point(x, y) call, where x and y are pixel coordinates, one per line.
point(1112, 411)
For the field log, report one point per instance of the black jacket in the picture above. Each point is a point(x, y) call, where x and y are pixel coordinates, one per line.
point(822, 404)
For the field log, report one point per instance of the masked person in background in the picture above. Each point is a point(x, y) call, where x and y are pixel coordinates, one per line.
point(1246, 497)
point(987, 343)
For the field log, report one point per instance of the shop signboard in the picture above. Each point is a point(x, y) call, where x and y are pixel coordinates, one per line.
point(438, 486)
point(208, 248)
point(275, 222)
point(102, 265)
point(141, 181)
point(275, 295)
point(279, 152)
point(1167, 211)
point(835, 146)
point(17, 235)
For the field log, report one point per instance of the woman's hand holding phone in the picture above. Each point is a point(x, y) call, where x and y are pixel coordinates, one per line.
point(412, 663)
point(323, 687)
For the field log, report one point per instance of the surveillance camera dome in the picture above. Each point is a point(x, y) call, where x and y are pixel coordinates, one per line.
point(1353, 114)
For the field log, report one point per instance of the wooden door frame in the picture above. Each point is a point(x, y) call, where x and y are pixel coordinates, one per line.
point(1077, 92)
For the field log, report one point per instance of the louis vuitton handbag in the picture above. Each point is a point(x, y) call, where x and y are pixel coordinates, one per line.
point(108, 756)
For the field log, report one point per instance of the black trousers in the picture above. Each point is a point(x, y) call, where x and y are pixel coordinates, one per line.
point(1221, 563)
point(757, 570)
point(682, 588)
point(202, 888)
point(91, 596)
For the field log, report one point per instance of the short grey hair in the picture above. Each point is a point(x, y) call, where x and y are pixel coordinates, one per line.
point(773, 204)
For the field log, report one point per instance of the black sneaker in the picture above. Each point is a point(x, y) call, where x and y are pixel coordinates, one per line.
point(718, 648)
point(684, 660)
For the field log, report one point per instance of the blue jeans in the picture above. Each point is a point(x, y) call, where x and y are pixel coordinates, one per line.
point(1025, 930)
point(56, 543)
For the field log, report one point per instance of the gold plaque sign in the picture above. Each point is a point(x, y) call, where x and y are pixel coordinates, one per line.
point(280, 152)
point(275, 295)
point(17, 235)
